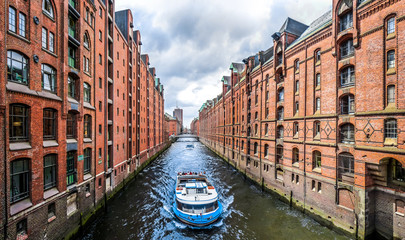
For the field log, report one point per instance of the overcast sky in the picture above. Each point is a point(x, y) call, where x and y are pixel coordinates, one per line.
point(193, 42)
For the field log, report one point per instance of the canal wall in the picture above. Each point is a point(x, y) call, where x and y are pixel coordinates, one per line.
point(75, 228)
point(315, 208)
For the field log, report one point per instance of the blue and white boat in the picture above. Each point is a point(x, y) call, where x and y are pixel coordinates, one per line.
point(196, 200)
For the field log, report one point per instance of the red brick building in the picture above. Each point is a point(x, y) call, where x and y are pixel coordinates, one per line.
point(319, 116)
point(195, 127)
point(173, 125)
point(76, 100)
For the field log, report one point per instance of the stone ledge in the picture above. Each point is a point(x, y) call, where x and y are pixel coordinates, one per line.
point(20, 146)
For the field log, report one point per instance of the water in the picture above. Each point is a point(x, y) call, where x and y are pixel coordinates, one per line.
point(143, 210)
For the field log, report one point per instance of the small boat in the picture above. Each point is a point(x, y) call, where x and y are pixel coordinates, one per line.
point(190, 146)
point(196, 200)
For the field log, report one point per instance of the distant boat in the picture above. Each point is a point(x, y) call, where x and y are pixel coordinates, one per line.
point(196, 200)
point(190, 146)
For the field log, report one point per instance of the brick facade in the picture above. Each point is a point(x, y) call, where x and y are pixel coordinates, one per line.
point(72, 113)
point(318, 117)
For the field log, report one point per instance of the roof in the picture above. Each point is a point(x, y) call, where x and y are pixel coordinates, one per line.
point(170, 117)
point(226, 79)
point(294, 27)
point(237, 67)
point(267, 55)
point(314, 27)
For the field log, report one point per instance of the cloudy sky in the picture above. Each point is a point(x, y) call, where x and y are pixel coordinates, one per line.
point(193, 42)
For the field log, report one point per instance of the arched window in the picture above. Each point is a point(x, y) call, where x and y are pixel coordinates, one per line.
point(391, 60)
point(317, 129)
point(50, 173)
point(295, 155)
point(242, 144)
point(19, 123)
point(280, 132)
point(347, 133)
point(86, 41)
point(87, 92)
point(255, 148)
point(71, 125)
point(266, 129)
point(316, 159)
point(317, 104)
point(346, 49)
point(318, 56)
point(266, 150)
point(48, 78)
point(20, 179)
point(87, 126)
point(297, 65)
point(17, 67)
point(280, 95)
point(256, 129)
point(297, 86)
point(397, 170)
point(87, 160)
point(347, 105)
point(297, 107)
point(345, 12)
point(390, 128)
point(391, 94)
point(280, 113)
point(347, 76)
point(345, 165)
point(279, 52)
point(49, 124)
point(391, 25)
point(47, 8)
point(256, 115)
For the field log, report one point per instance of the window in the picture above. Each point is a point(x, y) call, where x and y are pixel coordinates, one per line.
point(391, 94)
point(397, 170)
point(280, 113)
point(48, 78)
point(86, 65)
point(347, 76)
point(347, 104)
point(297, 107)
point(12, 19)
point(20, 179)
point(100, 35)
point(266, 129)
point(86, 92)
point(316, 159)
point(100, 59)
point(72, 27)
point(87, 160)
point(19, 122)
point(266, 150)
point(391, 59)
point(86, 42)
point(44, 38)
point(72, 57)
point(297, 65)
point(255, 148)
point(296, 129)
point(318, 80)
point(71, 125)
point(391, 26)
point(313, 185)
point(346, 165)
point(280, 132)
point(279, 154)
point(295, 155)
point(317, 104)
point(100, 106)
point(297, 86)
point(17, 67)
point(51, 42)
point(50, 171)
point(87, 126)
point(22, 24)
point(346, 49)
point(100, 83)
point(49, 124)
point(256, 129)
point(390, 128)
point(100, 12)
point(71, 168)
point(318, 56)
point(346, 21)
point(71, 87)
point(347, 133)
point(317, 129)
point(281, 95)
point(51, 210)
point(47, 7)
point(319, 187)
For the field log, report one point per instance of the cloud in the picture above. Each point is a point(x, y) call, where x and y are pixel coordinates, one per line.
point(192, 43)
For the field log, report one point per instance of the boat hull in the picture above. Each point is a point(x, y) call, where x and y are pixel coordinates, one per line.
point(198, 220)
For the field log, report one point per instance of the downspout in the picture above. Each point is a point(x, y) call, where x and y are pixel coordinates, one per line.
point(260, 135)
point(5, 141)
point(305, 125)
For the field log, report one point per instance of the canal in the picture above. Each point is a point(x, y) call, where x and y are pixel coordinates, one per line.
point(143, 210)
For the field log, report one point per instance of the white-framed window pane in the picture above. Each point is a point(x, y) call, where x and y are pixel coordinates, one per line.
point(391, 25)
point(11, 19)
point(51, 42)
point(391, 94)
point(44, 38)
point(21, 26)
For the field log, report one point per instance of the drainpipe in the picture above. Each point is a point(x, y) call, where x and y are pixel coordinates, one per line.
point(305, 125)
point(5, 144)
point(260, 135)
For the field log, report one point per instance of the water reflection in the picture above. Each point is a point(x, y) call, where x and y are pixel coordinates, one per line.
point(143, 210)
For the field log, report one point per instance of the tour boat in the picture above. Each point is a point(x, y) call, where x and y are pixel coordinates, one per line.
point(190, 146)
point(196, 200)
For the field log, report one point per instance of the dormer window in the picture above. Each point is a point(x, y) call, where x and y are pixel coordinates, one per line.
point(47, 8)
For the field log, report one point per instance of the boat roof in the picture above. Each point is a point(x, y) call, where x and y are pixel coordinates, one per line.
point(196, 185)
